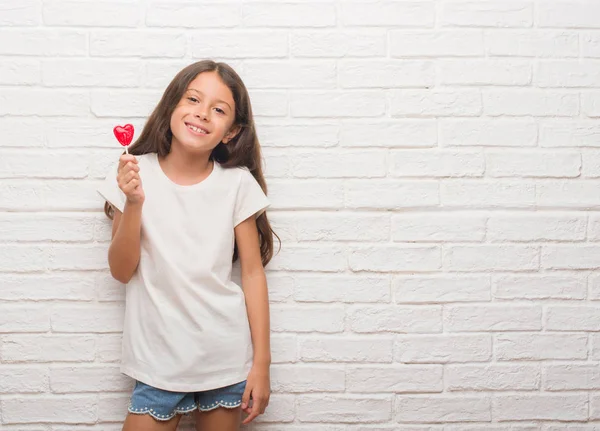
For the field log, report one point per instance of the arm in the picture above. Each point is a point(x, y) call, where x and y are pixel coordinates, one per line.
point(124, 250)
point(254, 284)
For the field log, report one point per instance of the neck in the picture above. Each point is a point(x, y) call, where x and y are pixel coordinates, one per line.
point(186, 168)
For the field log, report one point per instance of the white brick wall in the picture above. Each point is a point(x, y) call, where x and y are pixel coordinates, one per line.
point(434, 168)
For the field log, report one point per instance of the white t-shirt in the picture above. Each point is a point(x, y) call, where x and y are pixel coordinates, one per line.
point(186, 326)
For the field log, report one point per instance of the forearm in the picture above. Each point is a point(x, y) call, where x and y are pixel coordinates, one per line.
point(257, 306)
point(124, 250)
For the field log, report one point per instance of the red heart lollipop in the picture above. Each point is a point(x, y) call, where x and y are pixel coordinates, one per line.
point(124, 135)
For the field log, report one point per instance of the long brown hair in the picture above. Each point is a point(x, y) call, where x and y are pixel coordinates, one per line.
point(241, 151)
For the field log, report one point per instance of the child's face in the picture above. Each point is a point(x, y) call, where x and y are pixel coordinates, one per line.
point(206, 106)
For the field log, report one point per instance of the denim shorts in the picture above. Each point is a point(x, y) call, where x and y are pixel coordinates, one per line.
point(164, 405)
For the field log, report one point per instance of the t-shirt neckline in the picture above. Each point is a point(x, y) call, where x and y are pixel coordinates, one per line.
point(190, 187)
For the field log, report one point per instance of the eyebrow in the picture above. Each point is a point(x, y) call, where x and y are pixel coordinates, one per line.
point(200, 92)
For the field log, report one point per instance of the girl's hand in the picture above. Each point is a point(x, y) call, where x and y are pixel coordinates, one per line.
point(258, 387)
point(129, 180)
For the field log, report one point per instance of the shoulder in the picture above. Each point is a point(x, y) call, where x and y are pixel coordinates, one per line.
point(237, 174)
point(146, 158)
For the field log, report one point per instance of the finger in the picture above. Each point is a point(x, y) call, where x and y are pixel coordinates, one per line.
point(250, 418)
point(246, 398)
point(126, 158)
point(131, 187)
point(131, 166)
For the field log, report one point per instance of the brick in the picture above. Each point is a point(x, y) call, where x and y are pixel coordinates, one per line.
point(284, 348)
point(436, 103)
point(23, 379)
point(340, 164)
point(511, 132)
point(567, 74)
point(578, 194)
point(307, 258)
point(487, 14)
point(397, 14)
point(403, 319)
point(590, 44)
point(100, 14)
point(590, 104)
point(537, 347)
point(436, 163)
point(571, 377)
point(91, 73)
point(400, 133)
point(442, 408)
point(20, 72)
point(48, 102)
point(353, 288)
point(569, 133)
point(338, 44)
point(307, 318)
point(570, 257)
point(387, 194)
point(386, 258)
point(537, 227)
point(491, 258)
point(75, 409)
point(88, 379)
point(71, 286)
point(299, 14)
point(434, 227)
point(310, 378)
point(344, 408)
point(124, 103)
point(303, 75)
point(358, 103)
point(295, 194)
point(294, 135)
point(164, 14)
point(564, 407)
point(335, 226)
point(574, 14)
point(103, 319)
point(138, 43)
point(572, 318)
point(436, 43)
point(492, 318)
point(487, 193)
point(485, 72)
point(386, 74)
point(532, 43)
point(24, 318)
point(442, 349)
point(395, 378)
point(48, 348)
point(441, 289)
point(238, 44)
point(530, 102)
point(493, 377)
point(346, 349)
point(43, 42)
point(20, 13)
point(533, 164)
point(540, 286)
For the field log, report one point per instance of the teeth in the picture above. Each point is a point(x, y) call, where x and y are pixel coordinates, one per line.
point(196, 129)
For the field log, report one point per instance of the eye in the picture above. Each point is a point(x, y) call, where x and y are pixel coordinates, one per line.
point(220, 110)
point(192, 99)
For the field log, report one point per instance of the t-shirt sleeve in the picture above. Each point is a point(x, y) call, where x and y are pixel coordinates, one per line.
point(110, 191)
point(250, 200)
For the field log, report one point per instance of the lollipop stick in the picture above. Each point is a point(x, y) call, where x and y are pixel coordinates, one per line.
point(126, 150)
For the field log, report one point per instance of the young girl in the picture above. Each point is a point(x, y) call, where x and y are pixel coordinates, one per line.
point(189, 205)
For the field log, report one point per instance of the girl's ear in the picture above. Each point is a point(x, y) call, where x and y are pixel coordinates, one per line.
point(231, 134)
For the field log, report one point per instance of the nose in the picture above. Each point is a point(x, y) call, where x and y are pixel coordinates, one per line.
point(201, 113)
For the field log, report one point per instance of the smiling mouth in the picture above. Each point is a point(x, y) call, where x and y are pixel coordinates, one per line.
point(196, 129)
